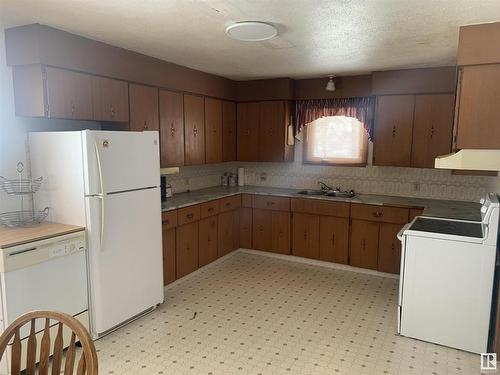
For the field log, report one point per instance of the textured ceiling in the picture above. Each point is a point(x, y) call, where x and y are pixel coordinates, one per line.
point(316, 37)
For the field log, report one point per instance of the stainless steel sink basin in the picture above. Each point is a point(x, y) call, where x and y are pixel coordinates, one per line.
point(341, 194)
point(312, 192)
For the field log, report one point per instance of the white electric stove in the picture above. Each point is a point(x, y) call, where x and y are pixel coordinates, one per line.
point(446, 280)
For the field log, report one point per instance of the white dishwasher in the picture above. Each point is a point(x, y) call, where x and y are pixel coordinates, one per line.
point(49, 274)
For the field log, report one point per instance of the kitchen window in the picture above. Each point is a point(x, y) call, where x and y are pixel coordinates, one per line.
point(336, 140)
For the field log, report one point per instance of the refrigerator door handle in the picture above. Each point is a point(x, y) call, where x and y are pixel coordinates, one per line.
point(103, 211)
point(99, 166)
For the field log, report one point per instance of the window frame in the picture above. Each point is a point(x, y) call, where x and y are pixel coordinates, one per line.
point(305, 159)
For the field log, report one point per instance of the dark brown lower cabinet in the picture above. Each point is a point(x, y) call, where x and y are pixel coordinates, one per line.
point(261, 229)
point(305, 235)
point(246, 228)
point(334, 239)
point(208, 233)
point(364, 244)
point(271, 231)
point(389, 249)
point(186, 252)
point(226, 234)
point(280, 228)
point(168, 255)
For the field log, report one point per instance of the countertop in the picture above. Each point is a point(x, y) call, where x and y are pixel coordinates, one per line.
point(432, 207)
point(17, 236)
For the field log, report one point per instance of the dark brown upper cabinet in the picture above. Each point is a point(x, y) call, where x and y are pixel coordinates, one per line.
point(110, 99)
point(393, 130)
point(263, 131)
point(432, 128)
point(41, 91)
point(272, 131)
point(194, 129)
point(213, 130)
point(228, 131)
point(171, 129)
point(248, 132)
point(478, 107)
point(144, 112)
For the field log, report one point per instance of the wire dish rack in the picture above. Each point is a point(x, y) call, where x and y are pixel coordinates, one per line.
point(23, 218)
point(21, 185)
point(25, 188)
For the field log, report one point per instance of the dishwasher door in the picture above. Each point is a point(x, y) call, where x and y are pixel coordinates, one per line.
point(45, 275)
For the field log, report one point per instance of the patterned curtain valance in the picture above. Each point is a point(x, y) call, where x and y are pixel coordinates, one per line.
point(361, 108)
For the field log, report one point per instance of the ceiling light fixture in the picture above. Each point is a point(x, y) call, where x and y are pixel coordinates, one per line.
point(330, 86)
point(251, 31)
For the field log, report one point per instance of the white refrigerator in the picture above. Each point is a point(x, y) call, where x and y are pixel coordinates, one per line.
point(108, 182)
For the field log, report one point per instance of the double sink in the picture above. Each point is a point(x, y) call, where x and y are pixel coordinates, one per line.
point(328, 193)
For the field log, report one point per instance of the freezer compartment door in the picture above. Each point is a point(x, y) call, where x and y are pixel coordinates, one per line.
point(120, 161)
point(125, 256)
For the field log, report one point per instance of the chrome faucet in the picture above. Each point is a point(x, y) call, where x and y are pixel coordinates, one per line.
point(324, 186)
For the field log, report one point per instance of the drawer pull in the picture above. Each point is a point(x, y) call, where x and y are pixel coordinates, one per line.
point(333, 240)
point(228, 204)
point(377, 214)
point(190, 216)
point(166, 222)
point(210, 209)
point(270, 203)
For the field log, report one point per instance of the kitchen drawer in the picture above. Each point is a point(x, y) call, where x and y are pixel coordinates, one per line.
point(383, 214)
point(230, 203)
point(266, 202)
point(210, 208)
point(246, 200)
point(188, 215)
point(320, 207)
point(169, 219)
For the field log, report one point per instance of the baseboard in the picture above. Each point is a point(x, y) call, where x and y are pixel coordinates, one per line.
point(320, 263)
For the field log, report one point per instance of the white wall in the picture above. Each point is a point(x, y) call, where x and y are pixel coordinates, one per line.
point(13, 129)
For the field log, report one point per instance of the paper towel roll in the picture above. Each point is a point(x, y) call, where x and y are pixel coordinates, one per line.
point(241, 176)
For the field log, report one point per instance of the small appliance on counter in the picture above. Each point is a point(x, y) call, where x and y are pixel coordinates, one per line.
point(166, 189)
point(446, 279)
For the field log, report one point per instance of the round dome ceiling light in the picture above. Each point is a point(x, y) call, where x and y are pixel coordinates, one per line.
point(251, 31)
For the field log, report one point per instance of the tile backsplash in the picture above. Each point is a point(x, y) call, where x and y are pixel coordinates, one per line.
point(414, 182)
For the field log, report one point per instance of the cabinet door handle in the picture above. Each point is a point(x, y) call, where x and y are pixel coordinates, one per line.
point(209, 239)
point(145, 125)
point(270, 203)
point(393, 130)
point(112, 111)
point(190, 216)
point(195, 130)
point(172, 129)
point(72, 108)
point(363, 244)
point(432, 130)
point(210, 209)
point(247, 132)
point(166, 222)
point(305, 235)
point(333, 239)
point(377, 213)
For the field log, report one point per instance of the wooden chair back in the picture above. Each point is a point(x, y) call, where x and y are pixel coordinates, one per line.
point(87, 364)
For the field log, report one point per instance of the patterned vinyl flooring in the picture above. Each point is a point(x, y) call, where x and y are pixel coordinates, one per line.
point(254, 314)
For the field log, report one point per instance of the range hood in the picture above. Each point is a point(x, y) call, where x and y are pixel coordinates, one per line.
point(476, 160)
